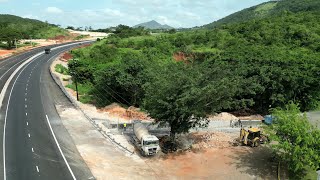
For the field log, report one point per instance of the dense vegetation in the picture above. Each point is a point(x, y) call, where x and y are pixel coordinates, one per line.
point(298, 144)
point(180, 78)
point(269, 62)
point(267, 9)
point(123, 31)
point(14, 27)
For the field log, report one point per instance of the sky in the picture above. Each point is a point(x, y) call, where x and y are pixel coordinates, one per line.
point(107, 13)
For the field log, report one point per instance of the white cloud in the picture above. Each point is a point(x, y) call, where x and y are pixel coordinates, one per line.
point(176, 13)
point(112, 12)
point(54, 10)
point(30, 16)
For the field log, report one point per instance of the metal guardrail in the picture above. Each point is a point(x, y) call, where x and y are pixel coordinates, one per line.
point(75, 104)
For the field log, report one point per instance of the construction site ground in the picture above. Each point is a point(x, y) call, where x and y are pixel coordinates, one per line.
point(207, 155)
point(55, 40)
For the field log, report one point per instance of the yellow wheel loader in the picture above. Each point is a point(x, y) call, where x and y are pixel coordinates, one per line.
point(252, 137)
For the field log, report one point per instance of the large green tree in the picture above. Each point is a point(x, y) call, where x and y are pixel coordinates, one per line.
point(297, 141)
point(181, 96)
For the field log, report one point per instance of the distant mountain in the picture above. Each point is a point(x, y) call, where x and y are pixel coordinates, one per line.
point(268, 9)
point(153, 25)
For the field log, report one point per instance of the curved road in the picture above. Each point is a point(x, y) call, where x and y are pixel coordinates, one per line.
point(35, 143)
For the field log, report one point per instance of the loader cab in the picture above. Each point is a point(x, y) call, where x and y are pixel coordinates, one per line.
point(253, 133)
point(250, 137)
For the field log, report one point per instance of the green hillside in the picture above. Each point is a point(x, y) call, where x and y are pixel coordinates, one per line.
point(267, 9)
point(14, 27)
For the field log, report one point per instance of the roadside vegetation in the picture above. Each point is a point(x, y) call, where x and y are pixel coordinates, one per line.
point(297, 141)
point(180, 78)
point(61, 69)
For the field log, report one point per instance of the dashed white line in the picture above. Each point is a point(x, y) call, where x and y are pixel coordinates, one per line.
point(32, 150)
point(37, 168)
point(26, 106)
point(27, 124)
point(29, 135)
point(58, 145)
point(5, 88)
point(26, 114)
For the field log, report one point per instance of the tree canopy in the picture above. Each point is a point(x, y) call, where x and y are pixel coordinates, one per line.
point(180, 78)
point(15, 28)
point(297, 141)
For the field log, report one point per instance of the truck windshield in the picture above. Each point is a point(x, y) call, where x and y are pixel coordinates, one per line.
point(146, 143)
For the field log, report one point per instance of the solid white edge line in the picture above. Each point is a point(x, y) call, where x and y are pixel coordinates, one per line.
point(58, 145)
point(3, 91)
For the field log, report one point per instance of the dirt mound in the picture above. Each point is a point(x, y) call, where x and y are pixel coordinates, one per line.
point(131, 113)
point(223, 117)
point(210, 140)
point(135, 113)
point(251, 117)
point(66, 57)
point(59, 38)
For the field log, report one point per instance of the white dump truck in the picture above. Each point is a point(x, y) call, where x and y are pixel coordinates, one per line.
point(147, 143)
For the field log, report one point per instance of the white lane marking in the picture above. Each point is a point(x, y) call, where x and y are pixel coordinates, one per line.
point(2, 94)
point(27, 124)
point(10, 69)
point(3, 91)
point(37, 168)
point(26, 114)
point(58, 145)
point(29, 135)
point(32, 150)
point(25, 99)
point(26, 106)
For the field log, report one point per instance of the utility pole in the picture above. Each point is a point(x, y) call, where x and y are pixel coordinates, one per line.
point(15, 42)
point(75, 81)
point(31, 41)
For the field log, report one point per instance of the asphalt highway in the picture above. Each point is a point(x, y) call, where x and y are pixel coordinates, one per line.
point(31, 131)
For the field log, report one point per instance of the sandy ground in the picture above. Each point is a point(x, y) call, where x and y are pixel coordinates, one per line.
point(59, 39)
point(40, 42)
point(92, 34)
point(212, 155)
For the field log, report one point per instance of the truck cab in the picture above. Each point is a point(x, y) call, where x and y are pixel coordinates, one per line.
point(150, 145)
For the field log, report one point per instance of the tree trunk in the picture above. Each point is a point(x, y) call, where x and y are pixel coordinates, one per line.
point(172, 136)
point(9, 44)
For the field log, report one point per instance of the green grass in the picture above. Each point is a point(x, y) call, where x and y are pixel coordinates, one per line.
point(5, 46)
point(84, 92)
point(265, 8)
point(205, 50)
point(50, 32)
point(81, 37)
point(61, 69)
point(311, 175)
